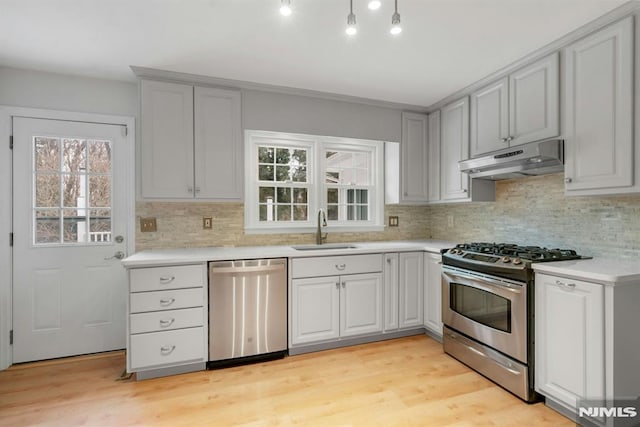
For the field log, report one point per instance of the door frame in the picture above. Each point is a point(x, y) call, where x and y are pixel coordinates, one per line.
point(6, 210)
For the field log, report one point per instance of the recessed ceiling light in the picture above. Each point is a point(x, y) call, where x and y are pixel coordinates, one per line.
point(351, 21)
point(374, 4)
point(285, 8)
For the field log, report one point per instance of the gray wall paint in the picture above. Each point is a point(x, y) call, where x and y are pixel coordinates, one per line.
point(24, 88)
point(301, 114)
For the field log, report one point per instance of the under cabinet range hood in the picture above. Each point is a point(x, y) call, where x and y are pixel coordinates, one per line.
point(533, 158)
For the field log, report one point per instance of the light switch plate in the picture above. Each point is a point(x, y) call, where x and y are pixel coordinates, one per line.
point(393, 221)
point(207, 222)
point(148, 225)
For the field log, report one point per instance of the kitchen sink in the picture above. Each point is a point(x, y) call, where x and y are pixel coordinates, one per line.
point(326, 246)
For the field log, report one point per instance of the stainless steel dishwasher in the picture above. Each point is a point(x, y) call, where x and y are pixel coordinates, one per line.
point(247, 310)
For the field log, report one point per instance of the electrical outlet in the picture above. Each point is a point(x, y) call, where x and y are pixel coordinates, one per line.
point(148, 225)
point(207, 223)
point(450, 221)
point(393, 221)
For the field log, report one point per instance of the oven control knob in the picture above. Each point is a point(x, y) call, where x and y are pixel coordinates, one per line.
point(506, 259)
point(453, 251)
point(517, 261)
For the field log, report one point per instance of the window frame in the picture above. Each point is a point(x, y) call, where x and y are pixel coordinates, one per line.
point(316, 187)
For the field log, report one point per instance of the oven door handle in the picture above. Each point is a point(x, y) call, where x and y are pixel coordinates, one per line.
point(483, 283)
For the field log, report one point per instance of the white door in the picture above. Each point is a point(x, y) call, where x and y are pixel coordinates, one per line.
point(490, 118)
point(411, 284)
point(69, 222)
point(315, 305)
point(361, 304)
point(433, 293)
point(454, 147)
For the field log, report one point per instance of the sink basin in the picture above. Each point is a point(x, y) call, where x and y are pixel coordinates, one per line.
point(326, 246)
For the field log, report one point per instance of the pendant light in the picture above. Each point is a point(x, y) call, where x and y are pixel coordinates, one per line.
point(374, 4)
point(285, 7)
point(351, 21)
point(395, 22)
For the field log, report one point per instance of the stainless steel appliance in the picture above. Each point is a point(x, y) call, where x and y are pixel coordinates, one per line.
point(247, 310)
point(533, 158)
point(487, 309)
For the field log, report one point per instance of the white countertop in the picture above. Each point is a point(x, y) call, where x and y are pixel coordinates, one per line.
point(600, 270)
point(160, 257)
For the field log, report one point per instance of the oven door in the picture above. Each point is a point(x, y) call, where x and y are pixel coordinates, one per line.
point(488, 309)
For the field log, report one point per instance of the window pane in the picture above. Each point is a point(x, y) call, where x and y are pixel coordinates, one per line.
point(47, 227)
point(265, 154)
point(282, 173)
point(283, 156)
point(99, 225)
point(332, 212)
point(100, 191)
point(299, 212)
point(362, 196)
point(265, 173)
point(266, 194)
point(47, 190)
point(361, 160)
point(46, 152)
point(284, 213)
point(74, 229)
point(100, 156)
point(266, 212)
point(299, 174)
point(332, 177)
point(71, 191)
point(361, 177)
point(284, 195)
point(300, 157)
point(74, 155)
point(332, 195)
point(300, 195)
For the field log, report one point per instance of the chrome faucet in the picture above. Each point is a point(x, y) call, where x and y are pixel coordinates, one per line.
point(322, 221)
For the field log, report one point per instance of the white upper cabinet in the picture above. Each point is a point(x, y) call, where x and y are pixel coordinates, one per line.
point(167, 140)
point(434, 156)
point(191, 142)
point(454, 148)
point(414, 148)
point(598, 112)
point(517, 109)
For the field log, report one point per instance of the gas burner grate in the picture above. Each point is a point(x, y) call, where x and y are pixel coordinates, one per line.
point(530, 253)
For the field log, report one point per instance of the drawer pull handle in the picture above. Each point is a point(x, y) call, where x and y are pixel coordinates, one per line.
point(167, 349)
point(341, 266)
point(167, 301)
point(568, 285)
point(167, 279)
point(164, 323)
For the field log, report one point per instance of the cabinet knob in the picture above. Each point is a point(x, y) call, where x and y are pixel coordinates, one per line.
point(503, 139)
point(167, 301)
point(509, 139)
point(568, 180)
point(167, 349)
point(190, 189)
point(197, 189)
point(167, 279)
point(465, 190)
point(341, 266)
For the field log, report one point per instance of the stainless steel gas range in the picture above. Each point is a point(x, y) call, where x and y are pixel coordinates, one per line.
point(487, 309)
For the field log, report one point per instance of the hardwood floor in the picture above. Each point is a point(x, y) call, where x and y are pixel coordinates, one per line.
point(403, 382)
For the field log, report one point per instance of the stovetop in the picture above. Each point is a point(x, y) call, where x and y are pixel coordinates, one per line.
point(503, 259)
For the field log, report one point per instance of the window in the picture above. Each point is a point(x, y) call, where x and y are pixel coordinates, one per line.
point(290, 177)
point(72, 183)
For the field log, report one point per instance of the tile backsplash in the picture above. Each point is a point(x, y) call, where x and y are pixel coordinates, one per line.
point(531, 211)
point(535, 211)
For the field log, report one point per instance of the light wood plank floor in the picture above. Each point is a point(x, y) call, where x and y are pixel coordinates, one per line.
point(403, 382)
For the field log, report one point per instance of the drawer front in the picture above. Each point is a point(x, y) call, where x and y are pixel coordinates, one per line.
point(168, 347)
point(336, 265)
point(166, 320)
point(158, 278)
point(166, 300)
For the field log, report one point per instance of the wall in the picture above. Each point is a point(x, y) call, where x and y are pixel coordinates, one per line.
point(535, 211)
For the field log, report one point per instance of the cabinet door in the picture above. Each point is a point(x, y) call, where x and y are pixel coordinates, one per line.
point(411, 288)
point(361, 304)
point(569, 328)
point(414, 150)
point(315, 305)
point(433, 293)
point(218, 144)
point(599, 110)
point(166, 148)
point(534, 101)
point(454, 147)
point(391, 292)
point(434, 156)
point(490, 118)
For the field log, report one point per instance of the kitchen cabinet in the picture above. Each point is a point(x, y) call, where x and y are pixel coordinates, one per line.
point(519, 108)
point(191, 146)
point(598, 113)
point(415, 158)
point(434, 156)
point(587, 346)
point(391, 290)
point(433, 293)
point(167, 327)
point(456, 186)
point(403, 282)
point(330, 307)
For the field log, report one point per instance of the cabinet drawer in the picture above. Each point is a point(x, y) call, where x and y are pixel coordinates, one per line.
point(168, 347)
point(166, 320)
point(157, 278)
point(336, 265)
point(166, 300)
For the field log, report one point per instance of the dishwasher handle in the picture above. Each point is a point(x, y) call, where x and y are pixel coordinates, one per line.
point(253, 269)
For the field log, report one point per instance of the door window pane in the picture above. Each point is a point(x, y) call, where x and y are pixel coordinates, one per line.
point(47, 226)
point(74, 155)
point(100, 156)
point(46, 152)
point(47, 190)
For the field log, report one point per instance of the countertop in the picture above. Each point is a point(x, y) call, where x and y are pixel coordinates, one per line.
point(160, 257)
point(599, 270)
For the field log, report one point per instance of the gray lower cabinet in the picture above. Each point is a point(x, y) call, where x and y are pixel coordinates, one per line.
point(403, 283)
point(433, 293)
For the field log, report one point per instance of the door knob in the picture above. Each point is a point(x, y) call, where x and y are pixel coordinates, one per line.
point(117, 255)
point(119, 239)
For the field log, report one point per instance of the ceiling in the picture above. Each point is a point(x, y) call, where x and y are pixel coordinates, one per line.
point(445, 44)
